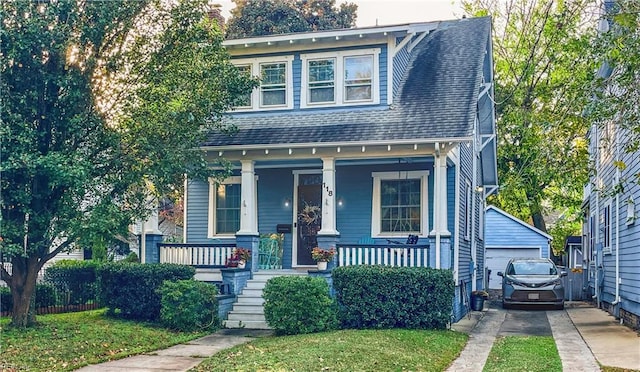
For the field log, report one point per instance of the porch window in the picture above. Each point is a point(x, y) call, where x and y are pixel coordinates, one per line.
point(224, 210)
point(358, 75)
point(274, 84)
point(399, 203)
point(322, 81)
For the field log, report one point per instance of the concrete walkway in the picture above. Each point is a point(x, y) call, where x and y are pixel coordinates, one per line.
point(584, 336)
point(180, 358)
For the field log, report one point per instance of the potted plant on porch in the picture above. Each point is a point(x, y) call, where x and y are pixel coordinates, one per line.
point(322, 256)
point(239, 258)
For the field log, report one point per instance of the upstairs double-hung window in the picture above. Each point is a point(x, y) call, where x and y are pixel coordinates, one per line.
point(340, 78)
point(276, 88)
point(273, 86)
point(322, 80)
point(358, 78)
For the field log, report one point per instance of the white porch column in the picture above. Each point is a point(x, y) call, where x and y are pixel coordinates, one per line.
point(440, 197)
point(248, 203)
point(328, 197)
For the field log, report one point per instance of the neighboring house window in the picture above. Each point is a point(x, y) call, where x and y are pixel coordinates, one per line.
point(467, 210)
point(399, 203)
point(340, 78)
point(224, 210)
point(606, 229)
point(276, 83)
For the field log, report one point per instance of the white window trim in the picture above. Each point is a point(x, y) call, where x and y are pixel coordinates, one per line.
point(339, 77)
point(424, 203)
point(211, 218)
point(606, 249)
point(468, 212)
point(256, 97)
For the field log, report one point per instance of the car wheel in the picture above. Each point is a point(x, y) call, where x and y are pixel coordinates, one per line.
point(560, 307)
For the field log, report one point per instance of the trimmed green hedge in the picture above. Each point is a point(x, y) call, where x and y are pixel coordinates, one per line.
point(295, 305)
point(131, 289)
point(188, 305)
point(78, 278)
point(393, 297)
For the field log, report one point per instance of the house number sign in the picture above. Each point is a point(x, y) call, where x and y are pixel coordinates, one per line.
point(329, 191)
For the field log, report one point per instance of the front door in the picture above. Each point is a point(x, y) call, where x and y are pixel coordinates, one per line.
point(308, 216)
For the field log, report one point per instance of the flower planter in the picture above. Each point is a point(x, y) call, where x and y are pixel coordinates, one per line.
point(322, 265)
point(477, 303)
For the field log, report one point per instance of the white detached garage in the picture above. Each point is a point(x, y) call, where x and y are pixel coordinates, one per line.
point(507, 237)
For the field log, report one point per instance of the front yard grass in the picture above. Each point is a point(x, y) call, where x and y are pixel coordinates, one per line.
point(65, 342)
point(345, 350)
point(524, 353)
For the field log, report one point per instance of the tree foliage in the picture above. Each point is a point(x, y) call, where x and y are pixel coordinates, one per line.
point(616, 94)
point(543, 68)
point(268, 17)
point(103, 106)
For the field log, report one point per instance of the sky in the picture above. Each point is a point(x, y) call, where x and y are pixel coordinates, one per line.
point(391, 12)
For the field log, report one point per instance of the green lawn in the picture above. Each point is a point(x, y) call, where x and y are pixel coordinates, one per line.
point(346, 350)
point(524, 353)
point(64, 342)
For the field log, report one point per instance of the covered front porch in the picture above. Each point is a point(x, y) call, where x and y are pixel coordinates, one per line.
point(361, 200)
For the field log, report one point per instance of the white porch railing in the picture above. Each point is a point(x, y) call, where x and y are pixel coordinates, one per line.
point(198, 255)
point(406, 255)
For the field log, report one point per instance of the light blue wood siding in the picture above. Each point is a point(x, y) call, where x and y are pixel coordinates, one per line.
point(400, 63)
point(625, 238)
point(502, 231)
point(274, 187)
point(197, 213)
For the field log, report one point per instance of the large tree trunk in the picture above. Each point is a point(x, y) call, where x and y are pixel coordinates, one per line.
point(23, 285)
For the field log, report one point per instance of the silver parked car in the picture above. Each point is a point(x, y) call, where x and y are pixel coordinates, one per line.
point(529, 281)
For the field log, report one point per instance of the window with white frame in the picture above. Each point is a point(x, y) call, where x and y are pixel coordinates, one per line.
point(467, 209)
point(276, 83)
point(340, 78)
point(358, 78)
point(399, 203)
point(224, 207)
point(606, 229)
point(322, 81)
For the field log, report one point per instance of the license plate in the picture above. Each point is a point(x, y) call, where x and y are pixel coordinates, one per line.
point(534, 296)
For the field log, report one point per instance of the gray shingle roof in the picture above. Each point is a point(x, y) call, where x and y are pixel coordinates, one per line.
point(436, 100)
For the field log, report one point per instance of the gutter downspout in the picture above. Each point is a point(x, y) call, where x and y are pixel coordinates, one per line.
point(596, 296)
point(474, 185)
point(617, 297)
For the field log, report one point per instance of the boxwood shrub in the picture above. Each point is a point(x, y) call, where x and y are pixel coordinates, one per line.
point(131, 289)
point(188, 305)
point(75, 277)
point(393, 297)
point(299, 304)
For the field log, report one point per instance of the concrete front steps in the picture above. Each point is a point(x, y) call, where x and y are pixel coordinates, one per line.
point(247, 311)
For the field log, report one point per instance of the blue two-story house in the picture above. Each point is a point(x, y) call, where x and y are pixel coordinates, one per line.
point(354, 140)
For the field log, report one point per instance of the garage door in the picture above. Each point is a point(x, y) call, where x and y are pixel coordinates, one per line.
point(497, 258)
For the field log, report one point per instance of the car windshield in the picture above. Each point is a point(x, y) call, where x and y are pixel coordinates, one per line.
point(532, 268)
